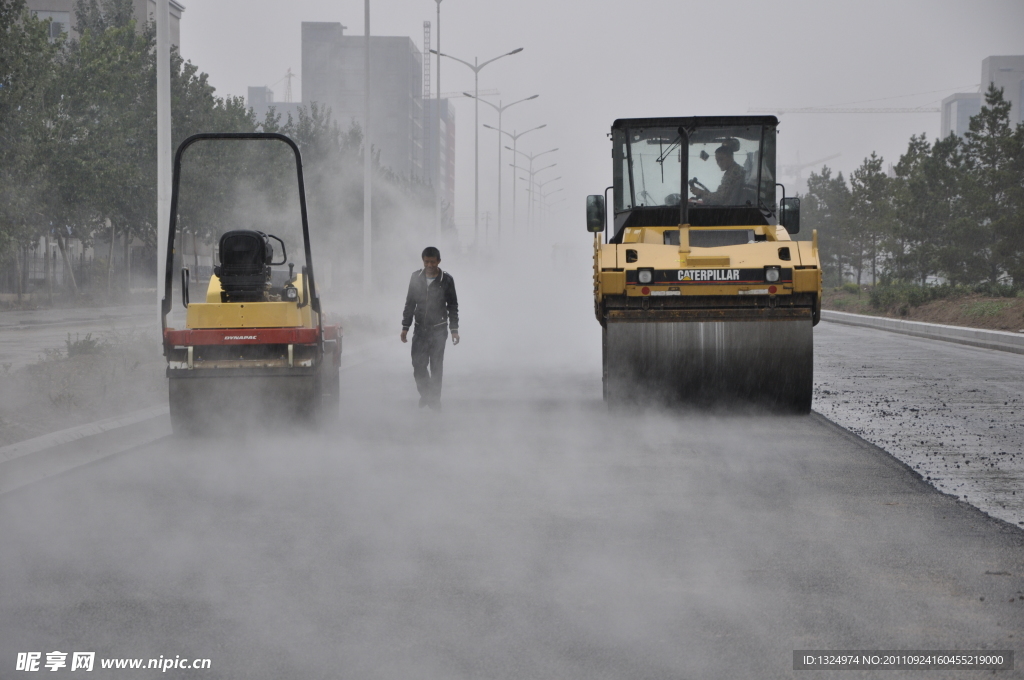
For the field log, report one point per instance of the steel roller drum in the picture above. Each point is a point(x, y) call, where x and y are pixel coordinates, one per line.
point(240, 399)
point(709, 363)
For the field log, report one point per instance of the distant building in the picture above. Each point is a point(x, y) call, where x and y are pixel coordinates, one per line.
point(333, 75)
point(1003, 72)
point(261, 99)
point(957, 111)
point(62, 15)
point(446, 182)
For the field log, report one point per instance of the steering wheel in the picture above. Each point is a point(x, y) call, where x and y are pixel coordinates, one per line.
point(696, 183)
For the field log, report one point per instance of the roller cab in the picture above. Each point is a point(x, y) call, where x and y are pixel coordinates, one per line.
point(701, 292)
point(252, 344)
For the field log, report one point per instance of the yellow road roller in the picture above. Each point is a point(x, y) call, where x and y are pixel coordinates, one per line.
point(254, 344)
point(702, 295)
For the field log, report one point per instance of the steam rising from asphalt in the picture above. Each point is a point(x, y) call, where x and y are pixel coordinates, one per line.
point(525, 531)
point(401, 542)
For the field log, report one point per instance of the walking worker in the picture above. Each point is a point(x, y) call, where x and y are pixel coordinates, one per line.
point(432, 302)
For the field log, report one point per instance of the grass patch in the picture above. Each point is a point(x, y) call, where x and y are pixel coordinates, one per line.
point(84, 345)
point(983, 308)
point(901, 296)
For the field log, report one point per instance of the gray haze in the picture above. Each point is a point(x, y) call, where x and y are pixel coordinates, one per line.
point(594, 62)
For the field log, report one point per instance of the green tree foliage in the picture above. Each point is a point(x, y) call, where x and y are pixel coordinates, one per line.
point(953, 209)
point(869, 203)
point(99, 154)
point(26, 71)
point(78, 151)
point(826, 206)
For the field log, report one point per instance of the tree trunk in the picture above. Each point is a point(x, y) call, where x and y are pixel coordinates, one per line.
point(48, 269)
point(18, 265)
point(128, 259)
point(67, 264)
point(110, 258)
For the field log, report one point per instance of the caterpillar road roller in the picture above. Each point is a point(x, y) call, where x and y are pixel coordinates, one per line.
point(254, 344)
point(702, 294)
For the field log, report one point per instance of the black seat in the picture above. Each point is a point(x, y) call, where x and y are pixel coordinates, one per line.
point(244, 269)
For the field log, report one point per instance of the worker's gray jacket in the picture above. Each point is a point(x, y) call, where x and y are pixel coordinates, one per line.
point(431, 305)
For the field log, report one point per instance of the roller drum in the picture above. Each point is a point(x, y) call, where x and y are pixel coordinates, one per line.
point(221, 404)
point(708, 363)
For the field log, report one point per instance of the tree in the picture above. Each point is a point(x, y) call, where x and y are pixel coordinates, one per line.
point(991, 161)
point(26, 70)
point(826, 207)
point(870, 215)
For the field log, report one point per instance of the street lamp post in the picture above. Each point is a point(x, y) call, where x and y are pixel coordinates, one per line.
point(500, 109)
point(476, 66)
point(437, 145)
point(531, 184)
point(515, 138)
point(541, 195)
point(531, 157)
point(163, 146)
point(543, 200)
point(367, 161)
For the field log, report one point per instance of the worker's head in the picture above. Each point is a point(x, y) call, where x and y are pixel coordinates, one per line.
point(431, 259)
point(723, 156)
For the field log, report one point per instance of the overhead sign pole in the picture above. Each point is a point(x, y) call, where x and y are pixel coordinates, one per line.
point(163, 139)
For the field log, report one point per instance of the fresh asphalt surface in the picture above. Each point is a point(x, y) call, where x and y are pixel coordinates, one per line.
point(524, 532)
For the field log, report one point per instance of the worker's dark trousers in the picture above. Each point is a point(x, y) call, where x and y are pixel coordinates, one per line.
point(428, 351)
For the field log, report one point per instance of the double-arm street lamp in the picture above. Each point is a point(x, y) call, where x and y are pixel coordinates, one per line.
point(545, 207)
point(531, 157)
point(500, 109)
point(476, 66)
point(531, 190)
point(541, 196)
point(515, 138)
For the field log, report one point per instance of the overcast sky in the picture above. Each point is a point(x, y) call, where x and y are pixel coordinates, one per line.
point(593, 62)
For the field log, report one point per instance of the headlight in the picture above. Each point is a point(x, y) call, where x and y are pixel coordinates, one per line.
point(645, 276)
point(291, 294)
point(771, 274)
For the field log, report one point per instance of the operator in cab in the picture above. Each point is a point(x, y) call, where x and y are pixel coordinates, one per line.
point(730, 189)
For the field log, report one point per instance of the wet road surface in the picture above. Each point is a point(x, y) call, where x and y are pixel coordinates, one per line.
point(525, 531)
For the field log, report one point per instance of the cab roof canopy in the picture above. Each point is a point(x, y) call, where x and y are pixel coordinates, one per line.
point(695, 122)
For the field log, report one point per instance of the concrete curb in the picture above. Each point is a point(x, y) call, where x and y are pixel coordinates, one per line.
point(29, 461)
point(975, 337)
